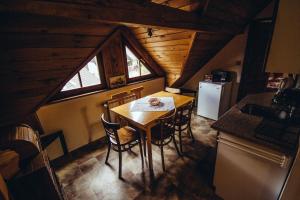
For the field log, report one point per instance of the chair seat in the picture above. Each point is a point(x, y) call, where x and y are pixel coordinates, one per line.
point(156, 133)
point(183, 121)
point(126, 135)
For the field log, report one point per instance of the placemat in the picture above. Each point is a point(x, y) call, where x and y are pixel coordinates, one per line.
point(142, 105)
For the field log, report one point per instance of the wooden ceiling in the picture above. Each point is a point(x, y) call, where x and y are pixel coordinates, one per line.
point(169, 48)
point(182, 53)
point(37, 54)
point(206, 45)
point(42, 44)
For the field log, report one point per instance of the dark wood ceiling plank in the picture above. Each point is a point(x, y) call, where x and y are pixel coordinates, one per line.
point(123, 11)
point(40, 65)
point(39, 54)
point(15, 84)
point(142, 32)
point(168, 43)
point(42, 40)
point(167, 37)
point(29, 23)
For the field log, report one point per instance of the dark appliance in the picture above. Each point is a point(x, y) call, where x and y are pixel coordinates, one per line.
point(287, 97)
point(289, 100)
point(221, 76)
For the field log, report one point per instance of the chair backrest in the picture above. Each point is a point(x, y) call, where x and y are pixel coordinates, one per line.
point(117, 102)
point(173, 90)
point(129, 98)
point(111, 104)
point(184, 114)
point(167, 124)
point(111, 130)
point(119, 95)
point(137, 91)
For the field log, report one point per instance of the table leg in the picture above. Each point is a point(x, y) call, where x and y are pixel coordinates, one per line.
point(149, 148)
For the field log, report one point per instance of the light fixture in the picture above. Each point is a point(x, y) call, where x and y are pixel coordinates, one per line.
point(150, 32)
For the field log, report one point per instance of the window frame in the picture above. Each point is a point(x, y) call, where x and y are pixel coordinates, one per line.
point(152, 74)
point(88, 89)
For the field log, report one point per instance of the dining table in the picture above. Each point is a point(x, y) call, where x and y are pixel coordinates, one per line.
point(145, 120)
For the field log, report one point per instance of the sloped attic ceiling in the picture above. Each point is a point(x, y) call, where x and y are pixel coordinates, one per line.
point(183, 53)
point(37, 54)
point(42, 43)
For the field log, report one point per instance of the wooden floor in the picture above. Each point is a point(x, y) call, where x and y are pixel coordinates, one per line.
point(188, 177)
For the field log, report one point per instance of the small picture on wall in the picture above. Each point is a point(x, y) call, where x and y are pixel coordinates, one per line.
point(117, 81)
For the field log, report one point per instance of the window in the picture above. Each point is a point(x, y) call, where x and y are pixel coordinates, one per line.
point(86, 77)
point(136, 68)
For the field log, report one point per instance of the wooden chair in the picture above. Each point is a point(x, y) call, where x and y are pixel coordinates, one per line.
point(118, 95)
point(111, 104)
point(183, 122)
point(128, 98)
point(163, 133)
point(117, 102)
point(121, 140)
point(137, 91)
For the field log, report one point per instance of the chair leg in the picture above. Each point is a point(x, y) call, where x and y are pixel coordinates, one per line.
point(176, 147)
point(191, 134)
point(107, 155)
point(141, 152)
point(145, 148)
point(180, 141)
point(120, 165)
point(162, 158)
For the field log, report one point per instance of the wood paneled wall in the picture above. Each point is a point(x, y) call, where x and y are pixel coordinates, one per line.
point(40, 52)
point(169, 47)
point(113, 58)
point(37, 54)
point(183, 53)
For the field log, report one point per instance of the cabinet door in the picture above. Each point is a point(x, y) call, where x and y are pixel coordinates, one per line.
point(284, 51)
point(246, 171)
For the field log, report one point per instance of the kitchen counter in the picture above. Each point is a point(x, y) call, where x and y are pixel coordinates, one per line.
point(243, 125)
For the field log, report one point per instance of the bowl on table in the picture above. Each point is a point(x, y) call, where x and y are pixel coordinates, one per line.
point(153, 101)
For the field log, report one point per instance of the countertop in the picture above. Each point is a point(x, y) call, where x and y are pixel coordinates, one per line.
point(243, 125)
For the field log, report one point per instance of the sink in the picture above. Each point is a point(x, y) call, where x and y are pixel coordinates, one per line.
point(260, 111)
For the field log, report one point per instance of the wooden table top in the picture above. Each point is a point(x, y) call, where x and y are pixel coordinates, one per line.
point(143, 118)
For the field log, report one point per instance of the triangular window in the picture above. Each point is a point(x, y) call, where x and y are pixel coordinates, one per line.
point(136, 67)
point(88, 76)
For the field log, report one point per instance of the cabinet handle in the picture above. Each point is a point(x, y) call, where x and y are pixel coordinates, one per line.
point(283, 161)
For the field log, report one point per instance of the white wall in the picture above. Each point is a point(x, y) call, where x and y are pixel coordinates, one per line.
point(229, 58)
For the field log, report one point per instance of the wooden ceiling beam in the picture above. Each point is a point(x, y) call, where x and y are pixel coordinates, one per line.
point(128, 12)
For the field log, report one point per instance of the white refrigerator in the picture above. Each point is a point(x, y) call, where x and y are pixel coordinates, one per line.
point(213, 99)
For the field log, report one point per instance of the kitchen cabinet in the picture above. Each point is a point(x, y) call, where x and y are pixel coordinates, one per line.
point(248, 171)
point(284, 53)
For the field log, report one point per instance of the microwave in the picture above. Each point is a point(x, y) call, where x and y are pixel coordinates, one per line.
point(221, 76)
